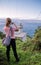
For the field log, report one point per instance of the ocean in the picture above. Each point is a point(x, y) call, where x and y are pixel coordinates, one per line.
point(29, 26)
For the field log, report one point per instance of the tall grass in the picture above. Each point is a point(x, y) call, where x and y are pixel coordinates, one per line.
point(25, 53)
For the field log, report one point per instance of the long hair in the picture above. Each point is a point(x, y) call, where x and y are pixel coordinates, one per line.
point(8, 21)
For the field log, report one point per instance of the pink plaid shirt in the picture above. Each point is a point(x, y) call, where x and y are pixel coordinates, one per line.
point(8, 32)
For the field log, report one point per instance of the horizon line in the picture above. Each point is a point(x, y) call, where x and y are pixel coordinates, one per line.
point(20, 18)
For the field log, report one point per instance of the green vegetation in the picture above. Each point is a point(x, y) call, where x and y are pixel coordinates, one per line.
point(1, 34)
point(27, 55)
point(37, 38)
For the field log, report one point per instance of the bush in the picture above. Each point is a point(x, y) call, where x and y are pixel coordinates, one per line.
point(37, 38)
point(2, 35)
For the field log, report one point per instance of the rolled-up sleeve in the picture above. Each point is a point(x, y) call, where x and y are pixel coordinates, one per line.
point(14, 29)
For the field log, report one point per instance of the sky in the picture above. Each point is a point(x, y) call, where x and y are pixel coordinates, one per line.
point(20, 9)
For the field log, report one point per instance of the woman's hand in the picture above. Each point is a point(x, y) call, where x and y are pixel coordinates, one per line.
point(17, 28)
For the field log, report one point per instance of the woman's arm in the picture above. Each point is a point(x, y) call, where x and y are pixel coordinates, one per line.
point(17, 28)
point(15, 25)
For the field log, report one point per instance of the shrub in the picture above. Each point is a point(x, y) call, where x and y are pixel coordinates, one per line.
point(37, 38)
point(1, 34)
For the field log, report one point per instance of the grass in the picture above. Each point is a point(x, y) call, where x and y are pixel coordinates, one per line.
point(25, 53)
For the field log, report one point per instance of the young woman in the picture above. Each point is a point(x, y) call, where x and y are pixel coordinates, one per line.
point(12, 42)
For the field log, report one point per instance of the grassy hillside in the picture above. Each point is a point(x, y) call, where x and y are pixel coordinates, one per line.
point(25, 52)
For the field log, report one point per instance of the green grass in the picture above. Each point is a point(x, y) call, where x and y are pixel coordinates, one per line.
point(25, 53)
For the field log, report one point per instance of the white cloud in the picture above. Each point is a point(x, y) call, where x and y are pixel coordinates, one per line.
point(13, 13)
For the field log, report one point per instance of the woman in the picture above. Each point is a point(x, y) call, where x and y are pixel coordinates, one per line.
point(12, 42)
